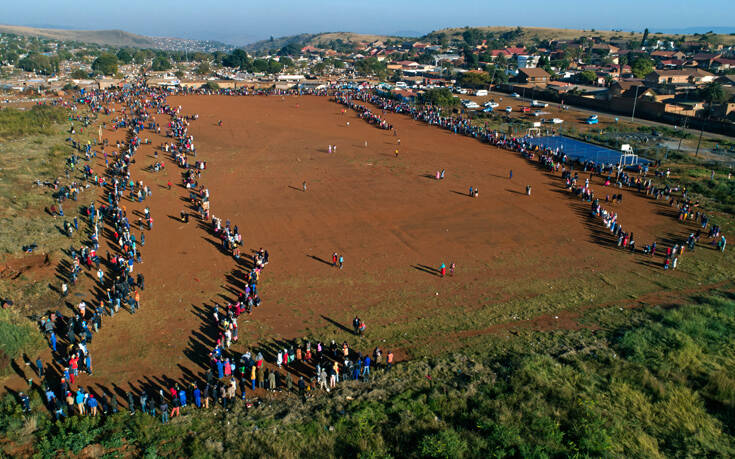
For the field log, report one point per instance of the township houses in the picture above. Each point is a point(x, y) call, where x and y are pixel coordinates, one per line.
point(686, 76)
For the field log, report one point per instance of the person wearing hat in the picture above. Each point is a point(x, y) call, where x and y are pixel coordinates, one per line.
point(92, 405)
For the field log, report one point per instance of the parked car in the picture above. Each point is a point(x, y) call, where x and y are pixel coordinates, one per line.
point(508, 109)
point(516, 95)
point(481, 92)
point(539, 104)
point(488, 110)
point(491, 104)
point(524, 109)
point(592, 120)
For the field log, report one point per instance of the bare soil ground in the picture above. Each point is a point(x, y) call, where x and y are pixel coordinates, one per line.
point(393, 222)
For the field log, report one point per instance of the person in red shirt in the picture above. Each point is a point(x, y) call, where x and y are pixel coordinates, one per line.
point(74, 367)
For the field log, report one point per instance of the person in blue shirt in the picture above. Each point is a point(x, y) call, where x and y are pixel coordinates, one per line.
point(366, 366)
point(182, 397)
point(197, 397)
point(92, 404)
point(220, 369)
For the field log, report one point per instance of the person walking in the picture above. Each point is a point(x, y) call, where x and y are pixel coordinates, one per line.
point(341, 261)
point(443, 269)
point(510, 175)
point(303, 186)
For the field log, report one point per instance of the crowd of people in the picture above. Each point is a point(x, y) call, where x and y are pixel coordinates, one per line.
point(550, 159)
point(232, 375)
point(119, 286)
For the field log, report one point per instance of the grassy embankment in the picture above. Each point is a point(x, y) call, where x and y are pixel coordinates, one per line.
point(648, 382)
point(32, 147)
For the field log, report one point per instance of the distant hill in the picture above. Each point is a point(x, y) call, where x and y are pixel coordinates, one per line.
point(316, 40)
point(116, 38)
point(546, 33)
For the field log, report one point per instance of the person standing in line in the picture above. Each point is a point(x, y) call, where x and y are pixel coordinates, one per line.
point(39, 367)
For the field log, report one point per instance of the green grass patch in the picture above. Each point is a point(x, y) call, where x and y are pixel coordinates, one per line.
point(40, 119)
point(17, 336)
point(649, 382)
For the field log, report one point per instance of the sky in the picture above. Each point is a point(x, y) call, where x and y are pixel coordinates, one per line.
point(244, 21)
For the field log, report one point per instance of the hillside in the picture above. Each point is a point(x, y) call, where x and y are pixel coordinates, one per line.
point(317, 40)
point(116, 38)
point(546, 33)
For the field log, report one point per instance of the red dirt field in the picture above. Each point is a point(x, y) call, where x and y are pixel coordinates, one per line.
point(393, 222)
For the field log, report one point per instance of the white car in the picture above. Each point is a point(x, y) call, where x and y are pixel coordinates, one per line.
point(536, 103)
point(491, 104)
point(471, 104)
point(516, 95)
point(508, 109)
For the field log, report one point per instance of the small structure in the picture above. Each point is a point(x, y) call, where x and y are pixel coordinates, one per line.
point(626, 154)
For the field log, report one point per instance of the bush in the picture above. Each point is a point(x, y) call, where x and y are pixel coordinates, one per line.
point(445, 444)
point(17, 336)
point(40, 119)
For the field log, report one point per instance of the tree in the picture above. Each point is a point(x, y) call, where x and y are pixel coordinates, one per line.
point(105, 64)
point(588, 77)
point(713, 93)
point(442, 97)
point(291, 49)
point(161, 64)
point(203, 69)
point(645, 37)
point(471, 60)
point(474, 80)
point(211, 85)
point(286, 61)
point(179, 74)
point(79, 74)
point(236, 59)
point(371, 66)
point(319, 67)
point(642, 66)
point(274, 66)
point(124, 56)
point(472, 36)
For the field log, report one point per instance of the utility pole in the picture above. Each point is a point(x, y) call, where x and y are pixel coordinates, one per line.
point(701, 130)
point(683, 133)
point(635, 100)
point(699, 142)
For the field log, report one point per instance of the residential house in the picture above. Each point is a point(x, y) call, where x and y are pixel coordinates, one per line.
point(693, 76)
point(662, 55)
point(705, 60)
point(533, 75)
point(623, 86)
point(721, 64)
